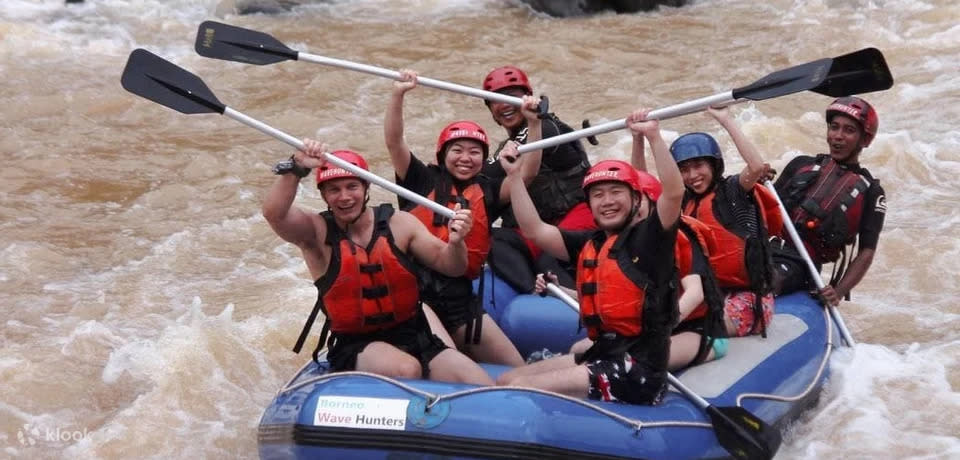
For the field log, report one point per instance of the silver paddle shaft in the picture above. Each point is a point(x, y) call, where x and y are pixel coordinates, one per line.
point(394, 75)
point(360, 172)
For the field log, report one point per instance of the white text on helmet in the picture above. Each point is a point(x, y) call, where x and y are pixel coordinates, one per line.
point(461, 133)
point(601, 174)
point(334, 172)
point(851, 111)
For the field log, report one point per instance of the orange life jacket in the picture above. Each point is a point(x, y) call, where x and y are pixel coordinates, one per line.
point(627, 289)
point(364, 289)
point(729, 260)
point(703, 236)
point(478, 240)
point(707, 318)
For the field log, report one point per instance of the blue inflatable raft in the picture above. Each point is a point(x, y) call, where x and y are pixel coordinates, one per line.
point(358, 415)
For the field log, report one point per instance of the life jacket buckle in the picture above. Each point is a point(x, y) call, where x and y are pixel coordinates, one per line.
point(378, 319)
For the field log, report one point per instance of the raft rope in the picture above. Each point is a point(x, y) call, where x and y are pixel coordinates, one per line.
point(816, 378)
point(433, 399)
point(636, 425)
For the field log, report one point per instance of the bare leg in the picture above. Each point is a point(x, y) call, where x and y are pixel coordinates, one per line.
point(539, 367)
point(571, 381)
point(452, 366)
point(581, 346)
point(437, 327)
point(683, 349)
point(494, 346)
point(388, 360)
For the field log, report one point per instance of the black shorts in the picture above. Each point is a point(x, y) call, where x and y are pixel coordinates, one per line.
point(413, 337)
point(454, 314)
point(619, 375)
point(452, 299)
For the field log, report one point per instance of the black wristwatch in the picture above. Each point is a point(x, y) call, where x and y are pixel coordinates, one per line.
point(290, 166)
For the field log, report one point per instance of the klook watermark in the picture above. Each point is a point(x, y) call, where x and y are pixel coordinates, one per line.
point(33, 434)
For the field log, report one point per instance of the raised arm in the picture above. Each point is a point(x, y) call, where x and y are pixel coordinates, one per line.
point(544, 235)
point(755, 168)
point(638, 157)
point(531, 164)
point(668, 206)
point(292, 224)
point(393, 123)
point(448, 258)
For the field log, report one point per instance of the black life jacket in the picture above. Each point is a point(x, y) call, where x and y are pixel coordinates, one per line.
point(826, 202)
point(554, 192)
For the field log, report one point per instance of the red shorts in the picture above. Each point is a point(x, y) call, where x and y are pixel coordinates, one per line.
point(738, 308)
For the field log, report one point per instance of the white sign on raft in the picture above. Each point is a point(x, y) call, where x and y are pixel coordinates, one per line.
point(350, 412)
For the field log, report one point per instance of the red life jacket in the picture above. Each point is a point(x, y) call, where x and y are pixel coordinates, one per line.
point(364, 289)
point(707, 318)
point(627, 289)
point(827, 203)
point(730, 258)
point(478, 240)
point(692, 230)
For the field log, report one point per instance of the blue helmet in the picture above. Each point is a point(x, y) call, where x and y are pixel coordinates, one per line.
point(698, 145)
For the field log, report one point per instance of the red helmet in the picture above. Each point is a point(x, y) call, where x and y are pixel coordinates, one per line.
point(613, 171)
point(507, 77)
point(649, 185)
point(859, 110)
point(463, 129)
point(330, 171)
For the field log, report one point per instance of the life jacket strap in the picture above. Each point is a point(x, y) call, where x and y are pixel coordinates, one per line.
point(588, 288)
point(305, 331)
point(371, 268)
point(375, 292)
point(378, 319)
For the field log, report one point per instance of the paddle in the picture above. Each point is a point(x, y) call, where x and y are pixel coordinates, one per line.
point(231, 43)
point(859, 72)
point(802, 250)
point(741, 433)
point(154, 78)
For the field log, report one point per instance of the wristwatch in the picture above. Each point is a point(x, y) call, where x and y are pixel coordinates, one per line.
point(290, 166)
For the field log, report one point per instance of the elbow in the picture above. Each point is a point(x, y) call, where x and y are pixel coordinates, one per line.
point(528, 177)
point(755, 171)
point(272, 215)
point(454, 271)
point(674, 193)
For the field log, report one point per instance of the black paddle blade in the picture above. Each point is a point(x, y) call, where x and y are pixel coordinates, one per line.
point(859, 72)
point(231, 43)
point(155, 78)
point(855, 73)
point(743, 434)
point(786, 81)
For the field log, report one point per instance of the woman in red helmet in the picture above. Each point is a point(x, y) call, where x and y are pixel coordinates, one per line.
point(556, 190)
point(834, 203)
point(362, 261)
point(626, 281)
point(461, 149)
